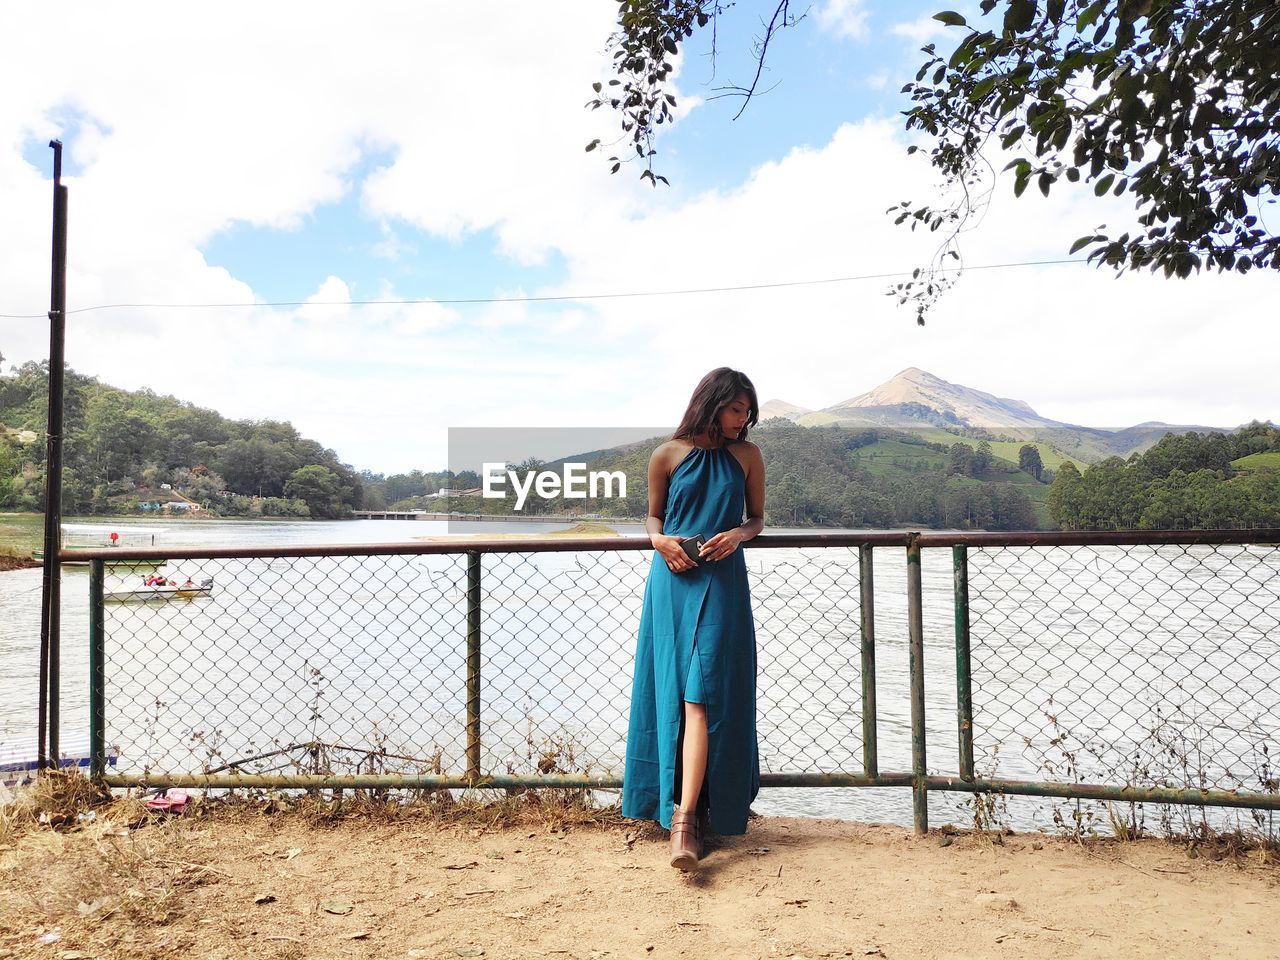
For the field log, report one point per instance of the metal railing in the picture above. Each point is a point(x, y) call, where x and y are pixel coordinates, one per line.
point(1140, 667)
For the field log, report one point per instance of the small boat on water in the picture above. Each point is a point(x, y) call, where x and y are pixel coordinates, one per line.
point(167, 590)
point(93, 536)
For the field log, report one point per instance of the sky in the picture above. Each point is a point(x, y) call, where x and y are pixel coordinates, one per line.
point(317, 154)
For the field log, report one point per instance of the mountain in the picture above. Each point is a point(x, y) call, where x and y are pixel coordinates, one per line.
point(917, 400)
point(914, 388)
point(780, 408)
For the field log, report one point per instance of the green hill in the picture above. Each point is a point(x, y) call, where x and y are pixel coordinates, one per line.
point(134, 451)
point(1257, 461)
point(137, 451)
point(1187, 481)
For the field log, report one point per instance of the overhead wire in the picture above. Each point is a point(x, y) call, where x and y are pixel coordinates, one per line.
point(549, 298)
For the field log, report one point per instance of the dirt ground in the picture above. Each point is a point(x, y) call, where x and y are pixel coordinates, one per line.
point(281, 885)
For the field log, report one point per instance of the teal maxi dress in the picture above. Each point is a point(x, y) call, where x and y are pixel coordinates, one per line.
point(696, 643)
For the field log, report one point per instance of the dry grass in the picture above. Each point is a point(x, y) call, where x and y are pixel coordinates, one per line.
point(74, 864)
point(360, 877)
point(101, 876)
point(59, 800)
point(67, 800)
point(549, 809)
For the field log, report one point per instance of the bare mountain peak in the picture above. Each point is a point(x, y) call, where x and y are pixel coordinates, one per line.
point(914, 399)
point(965, 405)
point(781, 408)
point(915, 373)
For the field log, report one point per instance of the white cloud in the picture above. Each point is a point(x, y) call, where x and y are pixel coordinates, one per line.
point(1073, 341)
point(391, 247)
point(483, 130)
point(331, 302)
point(844, 18)
point(920, 30)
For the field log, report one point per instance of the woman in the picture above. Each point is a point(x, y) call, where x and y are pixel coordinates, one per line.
point(692, 759)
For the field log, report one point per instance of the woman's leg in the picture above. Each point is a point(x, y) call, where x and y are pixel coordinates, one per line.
point(693, 755)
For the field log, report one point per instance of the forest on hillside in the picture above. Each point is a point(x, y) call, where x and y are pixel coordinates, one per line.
point(137, 452)
point(1187, 481)
point(134, 451)
point(814, 476)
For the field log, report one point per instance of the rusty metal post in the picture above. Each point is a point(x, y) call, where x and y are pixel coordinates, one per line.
point(964, 665)
point(866, 579)
point(473, 665)
point(97, 672)
point(915, 626)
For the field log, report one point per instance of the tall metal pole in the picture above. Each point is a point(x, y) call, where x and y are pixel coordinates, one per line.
point(50, 616)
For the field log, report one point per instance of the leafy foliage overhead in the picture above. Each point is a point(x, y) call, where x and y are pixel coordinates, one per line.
point(645, 46)
point(1173, 102)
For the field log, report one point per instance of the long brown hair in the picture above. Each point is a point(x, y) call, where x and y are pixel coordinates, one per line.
point(713, 393)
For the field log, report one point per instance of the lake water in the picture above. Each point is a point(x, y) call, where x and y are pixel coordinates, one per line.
point(1160, 665)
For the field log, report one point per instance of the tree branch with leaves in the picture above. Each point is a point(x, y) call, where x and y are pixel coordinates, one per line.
point(645, 45)
point(1175, 103)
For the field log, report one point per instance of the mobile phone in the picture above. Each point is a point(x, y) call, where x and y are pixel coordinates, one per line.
point(691, 545)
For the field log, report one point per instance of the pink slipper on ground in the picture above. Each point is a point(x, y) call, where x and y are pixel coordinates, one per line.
point(174, 801)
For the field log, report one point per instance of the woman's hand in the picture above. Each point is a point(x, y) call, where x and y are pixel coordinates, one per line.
point(677, 560)
point(722, 544)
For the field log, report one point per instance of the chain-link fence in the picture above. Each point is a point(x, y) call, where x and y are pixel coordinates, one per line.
point(370, 663)
point(288, 664)
point(1085, 665)
point(1145, 665)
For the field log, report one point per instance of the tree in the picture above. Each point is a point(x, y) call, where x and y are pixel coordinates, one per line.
point(1064, 496)
point(319, 488)
point(118, 437)
point(198, 484)
point(980, 465)
point(256, 466)
point(644, 46)
point(787, 501)
point(1029, 460)
point(1171, 101)
point(961, 460)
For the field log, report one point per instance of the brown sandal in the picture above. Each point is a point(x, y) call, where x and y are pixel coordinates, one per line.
point(684, 840)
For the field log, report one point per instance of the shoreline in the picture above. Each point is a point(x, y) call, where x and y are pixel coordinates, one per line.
point(579, 531)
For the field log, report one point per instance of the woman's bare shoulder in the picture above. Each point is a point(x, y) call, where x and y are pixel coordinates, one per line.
point(670, 452)
point(748, 455)
point(749, 451)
